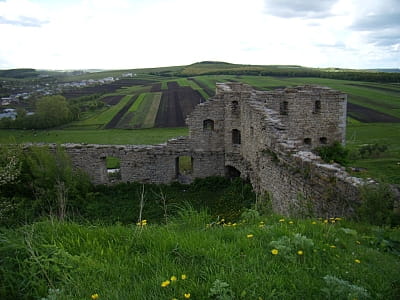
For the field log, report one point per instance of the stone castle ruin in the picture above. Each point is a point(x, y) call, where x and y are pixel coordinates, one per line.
point(263, 136)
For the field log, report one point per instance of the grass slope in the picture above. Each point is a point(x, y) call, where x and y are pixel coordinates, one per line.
point(197, 257)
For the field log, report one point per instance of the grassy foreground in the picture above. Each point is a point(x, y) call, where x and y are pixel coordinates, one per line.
point(196, 257)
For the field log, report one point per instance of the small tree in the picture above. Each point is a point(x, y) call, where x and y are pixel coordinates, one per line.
point(52, 111)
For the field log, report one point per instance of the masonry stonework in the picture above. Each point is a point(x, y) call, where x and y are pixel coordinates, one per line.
point(263, 136)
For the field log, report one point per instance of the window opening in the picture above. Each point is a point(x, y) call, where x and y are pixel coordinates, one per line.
point(323, 140)
point(307, 141)
point(284, 108)
point(317, 106)
point(236, 139)
point(208, 125)
point(113, 165)
point(235, 107)
point(231, 172)
point(184, 166)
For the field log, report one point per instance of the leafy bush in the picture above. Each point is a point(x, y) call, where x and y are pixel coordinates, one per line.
point(377, 205)
point(43, 183)
point(374, 150)
point(334, 153)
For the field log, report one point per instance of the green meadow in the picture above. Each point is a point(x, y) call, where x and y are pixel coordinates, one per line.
point(94, 136)
point(195, 256)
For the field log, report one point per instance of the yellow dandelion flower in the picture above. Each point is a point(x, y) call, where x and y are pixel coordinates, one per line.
point(234, 224)
point(338, 219)
point(274, 251)
point(183, 276)
point(358, 242)
point(142, 223)
point(261, 225)
point(249, 236)
point(187, 295)
point(332, 246)
point(165, 283)
point(281, 220)
point(290, 222)
point(95, 296)
point(173, 278)
point(357, 261)
point(313, 222)
point(325, 221)
point(300, 252)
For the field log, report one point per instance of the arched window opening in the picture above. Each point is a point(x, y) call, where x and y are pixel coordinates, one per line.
point(251, 130)
point(236, 139)
point(323, 140)
point(307, 141)
point(208, 125)
point(317, 107)
point(284, 108)
point(231, 172)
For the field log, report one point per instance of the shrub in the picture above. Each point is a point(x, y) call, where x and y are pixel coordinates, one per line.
point(377, 204)
point(334, 153)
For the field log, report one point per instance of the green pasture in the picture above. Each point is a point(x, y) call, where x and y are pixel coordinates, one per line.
point(93, 136)
point(386, 166)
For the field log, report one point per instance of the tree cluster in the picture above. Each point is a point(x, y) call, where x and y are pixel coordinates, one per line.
point(50, 111)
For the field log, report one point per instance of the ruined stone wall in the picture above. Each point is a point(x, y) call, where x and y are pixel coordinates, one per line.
point(274, 156)
point(263, 136)
point(147, 164)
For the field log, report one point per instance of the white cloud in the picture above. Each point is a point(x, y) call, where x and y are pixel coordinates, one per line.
point(134, 33)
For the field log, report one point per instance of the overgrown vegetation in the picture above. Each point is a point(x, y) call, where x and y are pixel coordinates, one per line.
point(377, 205)
point(62, 238)
point(334, 153)
point(36, 183)
point(197, 256)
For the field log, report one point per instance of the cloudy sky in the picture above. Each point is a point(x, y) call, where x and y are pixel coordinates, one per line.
point(122, 34)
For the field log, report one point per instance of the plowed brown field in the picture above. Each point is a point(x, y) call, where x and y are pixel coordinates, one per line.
point(176, 103)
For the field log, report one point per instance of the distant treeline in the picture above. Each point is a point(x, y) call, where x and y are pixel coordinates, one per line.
point(19, 73)
point(381, 77)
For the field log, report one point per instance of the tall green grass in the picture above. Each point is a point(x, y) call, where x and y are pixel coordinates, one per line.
point(256, 258)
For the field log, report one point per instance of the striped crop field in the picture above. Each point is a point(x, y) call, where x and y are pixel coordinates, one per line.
point(147, 112)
